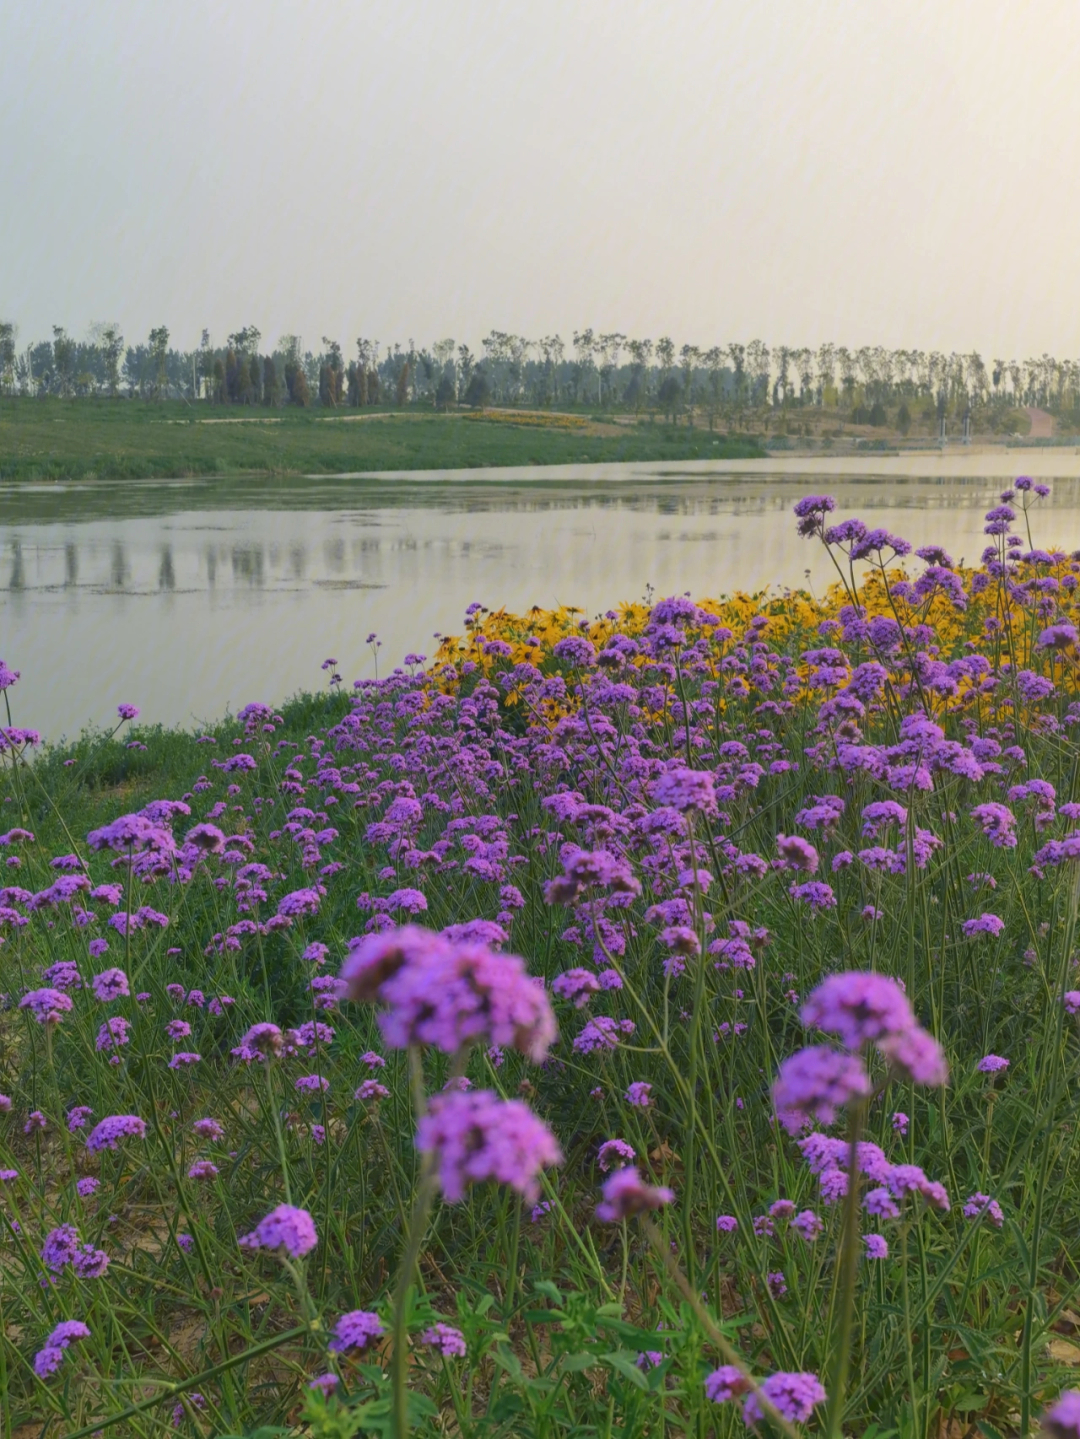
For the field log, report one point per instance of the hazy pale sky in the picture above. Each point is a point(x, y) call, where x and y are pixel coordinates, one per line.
point(799, 170)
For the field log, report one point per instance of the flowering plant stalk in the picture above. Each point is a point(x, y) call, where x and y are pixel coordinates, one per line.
point(426, 1189)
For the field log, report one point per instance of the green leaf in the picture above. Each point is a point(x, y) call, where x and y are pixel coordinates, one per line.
point(969, 1401)
point(1017, 1236)
point(508, 1362)
point(575, 1363)
point(636, 1337)
point(624, 1363)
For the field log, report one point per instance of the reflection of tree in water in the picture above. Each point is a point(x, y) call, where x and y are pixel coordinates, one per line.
point(18, 573)
point(247, 563)
point(297, 561)
point(211, 566)
point(118, 566)
point(334, 554)
point(166, 574)
point(71, 564)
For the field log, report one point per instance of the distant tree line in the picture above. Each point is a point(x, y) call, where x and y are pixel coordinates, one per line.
point(601, 372)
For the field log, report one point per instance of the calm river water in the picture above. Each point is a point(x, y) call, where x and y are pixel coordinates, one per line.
point(188, 597)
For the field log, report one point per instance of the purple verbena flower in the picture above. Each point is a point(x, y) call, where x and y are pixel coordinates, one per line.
point(978, 1203)
point(615, 1151)
point(110, 984)
point(626, 1194)
point(815, 1083)
point(859, 1007)
point(48, 1006)
point(797, 853)
point(477, 1136)
point(1062, 1420)
point(285, 1227)
point(989, 924)
point(108, 1132)
point(686, 790)
point(356, 1330)
point(448, 995)
point(450, 1342)
point(992, 1064)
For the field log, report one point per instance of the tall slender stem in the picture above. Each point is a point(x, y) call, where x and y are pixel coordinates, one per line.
point(849, 1266)
point(418, 1222)
point(417, 1228)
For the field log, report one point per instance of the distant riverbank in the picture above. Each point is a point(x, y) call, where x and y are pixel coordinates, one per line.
point(42, 440)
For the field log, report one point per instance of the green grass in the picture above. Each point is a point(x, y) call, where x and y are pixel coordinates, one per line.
point(123, 439)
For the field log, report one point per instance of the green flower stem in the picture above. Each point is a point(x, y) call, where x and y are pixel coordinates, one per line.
point(849, 1267)
point(731, 1354)
point(170, 1389)
point(418, 1221)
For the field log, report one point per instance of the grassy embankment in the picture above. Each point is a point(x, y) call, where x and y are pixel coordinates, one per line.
point(102, 439)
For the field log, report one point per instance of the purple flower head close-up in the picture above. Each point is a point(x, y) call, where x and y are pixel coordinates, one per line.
point(286, 1228)
point(477, 1137)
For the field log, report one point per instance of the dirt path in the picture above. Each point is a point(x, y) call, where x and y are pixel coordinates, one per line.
point(1042, 423)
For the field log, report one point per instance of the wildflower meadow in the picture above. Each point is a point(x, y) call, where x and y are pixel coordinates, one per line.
point(666, 1023)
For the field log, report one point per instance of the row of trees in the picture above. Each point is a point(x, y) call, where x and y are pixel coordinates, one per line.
point(598, 370)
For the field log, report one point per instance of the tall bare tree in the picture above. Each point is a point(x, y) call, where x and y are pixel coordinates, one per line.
point(159, 353)
point(9, 334)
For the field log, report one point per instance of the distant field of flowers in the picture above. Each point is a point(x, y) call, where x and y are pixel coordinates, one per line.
point(660, 1024)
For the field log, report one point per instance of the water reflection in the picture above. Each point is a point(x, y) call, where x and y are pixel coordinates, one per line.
point(166, 573)
point(191, 596)
point(119, 567)
point(247, 564)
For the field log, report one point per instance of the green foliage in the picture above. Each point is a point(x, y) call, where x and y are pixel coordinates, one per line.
point(52, 440)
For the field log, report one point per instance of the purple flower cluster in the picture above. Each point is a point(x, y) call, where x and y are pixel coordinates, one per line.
point(814, 1083)
point(794, 1396)
point(49, 1358)
point(476, 1136)
point(864, 1008)
point(284, 1228)
point(449, 1342)
point(449, 995)
point(108, 1133)
point(626, 1194)
point(356, 1330)
point(63, 1247)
